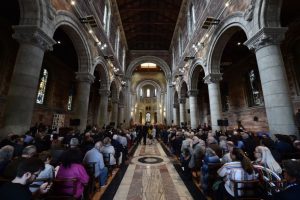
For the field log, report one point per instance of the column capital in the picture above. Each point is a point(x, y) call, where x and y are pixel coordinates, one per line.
point(182, 100)
point(193, 93)
point(85, 77)
point(115, 101)
point(33, 35)
point(212, 78)
point(265, 37)
point(104, 92)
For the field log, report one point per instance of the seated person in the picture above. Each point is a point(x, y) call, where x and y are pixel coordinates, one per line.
point(18, 188)
point(11, 169)
point(6, 154)
point(210, 157)
point(265, 158)
point(71, 167)
point(291, 174)
point(240, 169)
point(95, 156)
point(47, 174)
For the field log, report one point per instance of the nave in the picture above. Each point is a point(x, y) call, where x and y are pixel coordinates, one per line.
point(151, 175)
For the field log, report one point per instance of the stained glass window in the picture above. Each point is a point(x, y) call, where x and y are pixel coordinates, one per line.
point(42, 87)
point(254, 89)
point(70, 99)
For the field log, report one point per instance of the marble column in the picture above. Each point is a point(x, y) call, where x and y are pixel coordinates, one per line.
point(81, 105)
point(121, 114)
point(278, 104)
point(102, 114)
point(193, 108)
point(182, 102)
point(175, 116)
point(114, 115)
point(214, 99)
point(22, 92)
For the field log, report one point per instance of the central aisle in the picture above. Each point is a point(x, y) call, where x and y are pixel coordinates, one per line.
point(151, 176)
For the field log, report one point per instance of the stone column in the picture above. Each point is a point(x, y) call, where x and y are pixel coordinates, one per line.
point(182, 110)
point(266, 44)
point(193, 108)
point(169, 100)
point(102, 114)
point(114, 115)
point(214, 99)
point(121, 114)
point(175, 116)
point(22, 93)
point(84, 81)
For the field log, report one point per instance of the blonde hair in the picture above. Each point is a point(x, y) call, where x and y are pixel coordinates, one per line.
point(268, 159)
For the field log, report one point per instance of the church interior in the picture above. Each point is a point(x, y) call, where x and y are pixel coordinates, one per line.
point(150, 99)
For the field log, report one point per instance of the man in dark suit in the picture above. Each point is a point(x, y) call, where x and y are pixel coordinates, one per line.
point(291, 173)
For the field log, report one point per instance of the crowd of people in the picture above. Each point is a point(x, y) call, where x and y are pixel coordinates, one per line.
point(30, 163)
point(218, 159)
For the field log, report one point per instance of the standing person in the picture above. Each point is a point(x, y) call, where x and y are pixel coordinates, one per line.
point(153, 134)
point(144, 132)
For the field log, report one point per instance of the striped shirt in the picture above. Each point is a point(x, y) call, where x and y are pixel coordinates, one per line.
point(234, 171)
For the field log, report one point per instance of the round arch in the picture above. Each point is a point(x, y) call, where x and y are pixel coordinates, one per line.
point(220, 38)
point(194, 72)
point(164, 66)
point(104, 74)
point(148, 82)
point(71, 25)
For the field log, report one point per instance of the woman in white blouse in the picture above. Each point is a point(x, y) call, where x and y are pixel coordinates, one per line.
point(240, 169)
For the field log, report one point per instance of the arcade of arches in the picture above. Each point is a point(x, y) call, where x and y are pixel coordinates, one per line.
point(123, 63)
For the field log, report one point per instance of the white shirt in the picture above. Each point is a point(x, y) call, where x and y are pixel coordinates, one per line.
point(234, 171)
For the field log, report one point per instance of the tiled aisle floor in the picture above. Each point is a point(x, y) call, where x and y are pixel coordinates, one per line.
point(151, 176)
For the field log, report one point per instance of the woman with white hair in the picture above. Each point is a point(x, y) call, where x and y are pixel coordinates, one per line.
point(265, 158)
point(6, 154)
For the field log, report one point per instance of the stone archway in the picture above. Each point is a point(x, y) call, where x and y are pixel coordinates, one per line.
point(71, 25)
point(220, 38)
point(157, 107)
point(167, 72)
point(101, 65)
point(194, 72)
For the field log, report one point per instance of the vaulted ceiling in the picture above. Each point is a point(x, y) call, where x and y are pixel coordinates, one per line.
point(149, 24)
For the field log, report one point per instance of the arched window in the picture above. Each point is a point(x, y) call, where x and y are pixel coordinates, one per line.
point(42, 87)
point(141, 92)
point(155, 92)
point(179, 43)
point(70, 98)
point(192, 19)
point(148, 92)
point(254, 90)
point(123, 59)
point(106, 17)
point(117, 43)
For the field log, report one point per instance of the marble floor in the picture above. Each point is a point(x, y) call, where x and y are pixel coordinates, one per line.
point(151, 176)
